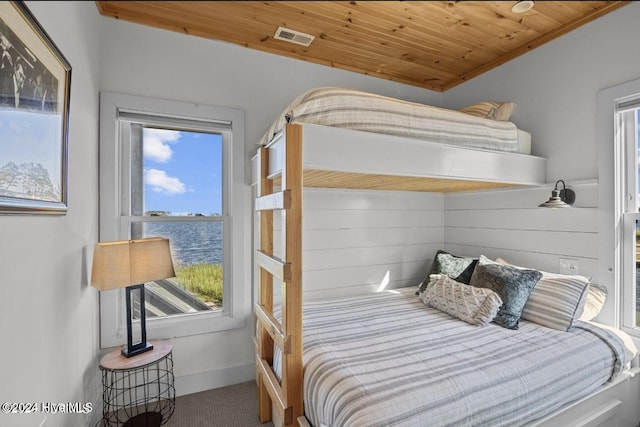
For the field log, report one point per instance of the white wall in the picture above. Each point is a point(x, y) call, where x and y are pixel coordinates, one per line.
point(144, 61)
point(555, 87)
point(364, 241)
point(508, 224)
point(148, 62)
point(48, 312)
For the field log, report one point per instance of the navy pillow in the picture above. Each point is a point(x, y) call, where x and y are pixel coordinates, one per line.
point(513, 285)
point(456, 267)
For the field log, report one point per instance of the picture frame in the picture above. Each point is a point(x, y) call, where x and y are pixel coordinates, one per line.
point(35, 80)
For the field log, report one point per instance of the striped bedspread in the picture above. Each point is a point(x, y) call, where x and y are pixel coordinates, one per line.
point(357, 110)
point(385, 359)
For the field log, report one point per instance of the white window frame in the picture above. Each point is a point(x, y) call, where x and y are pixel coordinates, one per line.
point(628, 193)
point(113, 199)
point(617, 193)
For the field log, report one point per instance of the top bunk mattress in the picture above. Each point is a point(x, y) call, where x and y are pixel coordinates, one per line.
point(351, 109)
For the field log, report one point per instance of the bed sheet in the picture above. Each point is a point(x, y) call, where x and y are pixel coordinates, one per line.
point(385, 359)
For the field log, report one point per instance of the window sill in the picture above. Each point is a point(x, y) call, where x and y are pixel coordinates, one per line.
point(191, 324)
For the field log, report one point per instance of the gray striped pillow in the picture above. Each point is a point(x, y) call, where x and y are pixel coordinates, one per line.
point(557, 300)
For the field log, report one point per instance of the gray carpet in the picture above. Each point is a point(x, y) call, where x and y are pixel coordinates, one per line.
point(232, 406)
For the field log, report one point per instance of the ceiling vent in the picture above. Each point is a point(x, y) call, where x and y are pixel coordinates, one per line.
point(293, 36)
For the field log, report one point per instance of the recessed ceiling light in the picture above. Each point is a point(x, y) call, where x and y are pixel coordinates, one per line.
point(523, 6)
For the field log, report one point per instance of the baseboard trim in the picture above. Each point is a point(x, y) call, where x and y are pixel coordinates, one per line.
point(202, 381)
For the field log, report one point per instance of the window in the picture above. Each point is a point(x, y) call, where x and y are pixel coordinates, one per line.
point(627, 125)
point(619, 203)
point(175, 170)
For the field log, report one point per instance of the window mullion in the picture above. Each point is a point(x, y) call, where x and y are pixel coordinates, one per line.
point(137, 172)
point(124, 170)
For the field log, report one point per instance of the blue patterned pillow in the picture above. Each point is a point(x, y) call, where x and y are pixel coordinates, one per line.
point(512, 284)
point(456, 267)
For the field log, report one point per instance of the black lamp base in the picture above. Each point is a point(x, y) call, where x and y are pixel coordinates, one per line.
point(136, 349)
point(132, 349)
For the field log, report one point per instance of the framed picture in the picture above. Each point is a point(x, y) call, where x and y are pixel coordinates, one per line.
point(35, 83)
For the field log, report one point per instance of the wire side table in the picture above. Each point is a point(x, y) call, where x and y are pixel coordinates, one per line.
point(138, 391)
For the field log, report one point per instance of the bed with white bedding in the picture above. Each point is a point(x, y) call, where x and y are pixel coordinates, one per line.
point(350, 138)
point(386, 359)
point(357, 110)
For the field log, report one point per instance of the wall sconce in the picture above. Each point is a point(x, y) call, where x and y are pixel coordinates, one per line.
point(560, 198)
point(522, 6)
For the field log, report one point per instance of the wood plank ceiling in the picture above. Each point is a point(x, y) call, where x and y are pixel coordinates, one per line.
point(431, 44)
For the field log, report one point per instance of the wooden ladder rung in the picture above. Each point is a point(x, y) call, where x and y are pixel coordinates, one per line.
point(274, 328)
point(273, 201)
point(274, 390)
point(273, 265)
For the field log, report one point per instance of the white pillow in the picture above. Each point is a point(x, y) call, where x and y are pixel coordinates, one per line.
point(477, 306)
point(596, 297)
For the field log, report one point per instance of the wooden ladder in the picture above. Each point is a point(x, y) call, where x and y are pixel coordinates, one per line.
point(287, 333)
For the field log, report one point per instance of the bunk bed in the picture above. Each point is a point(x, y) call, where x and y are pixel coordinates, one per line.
point(360, 140)
point(340, 148)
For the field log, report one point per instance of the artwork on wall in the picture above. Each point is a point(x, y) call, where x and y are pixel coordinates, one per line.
point(35, 83)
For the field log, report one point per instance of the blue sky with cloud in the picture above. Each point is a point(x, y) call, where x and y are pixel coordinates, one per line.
point(182, 172)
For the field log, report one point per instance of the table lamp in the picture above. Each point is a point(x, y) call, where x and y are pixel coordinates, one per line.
point(129, 264)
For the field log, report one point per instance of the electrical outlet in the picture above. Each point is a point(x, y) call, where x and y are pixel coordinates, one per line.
point(568, 266)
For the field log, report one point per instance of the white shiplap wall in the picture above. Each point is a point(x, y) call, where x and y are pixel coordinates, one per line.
point(355, 240)
point(508, 224)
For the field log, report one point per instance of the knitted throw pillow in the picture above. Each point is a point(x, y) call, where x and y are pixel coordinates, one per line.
point(477, 306)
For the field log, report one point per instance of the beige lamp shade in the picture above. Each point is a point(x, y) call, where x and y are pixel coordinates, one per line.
point(130, 262)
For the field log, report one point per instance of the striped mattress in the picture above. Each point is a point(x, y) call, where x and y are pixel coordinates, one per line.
point(385, 359)
point(363, 111)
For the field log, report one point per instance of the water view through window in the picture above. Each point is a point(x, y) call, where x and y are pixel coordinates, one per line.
point(179, 190)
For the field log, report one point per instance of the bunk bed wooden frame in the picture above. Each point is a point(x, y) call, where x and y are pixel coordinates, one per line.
point(287, 334)
point(283, 163)
point(280, 164)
